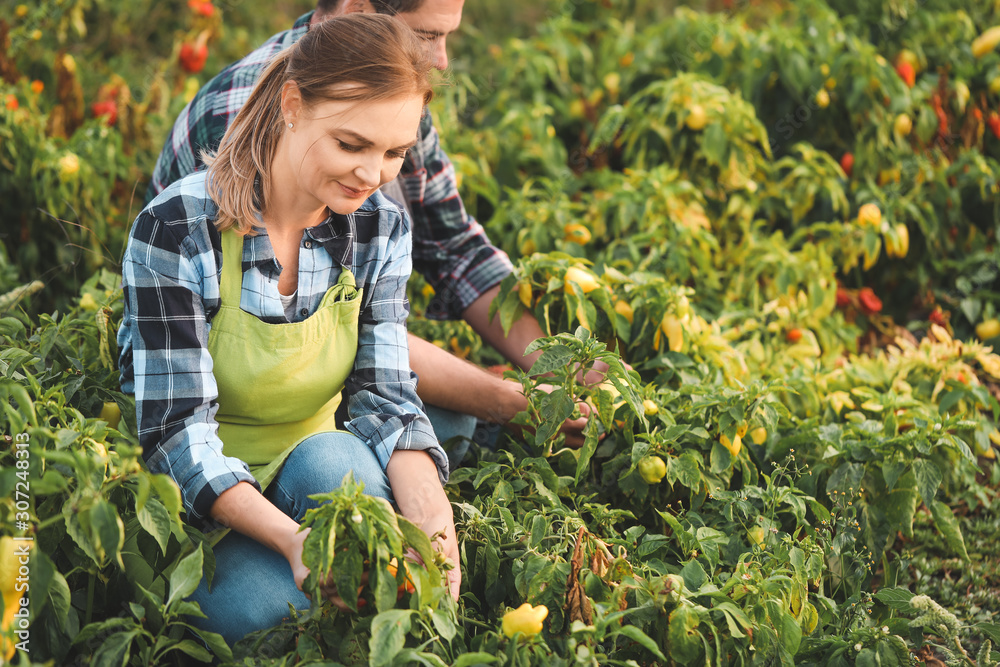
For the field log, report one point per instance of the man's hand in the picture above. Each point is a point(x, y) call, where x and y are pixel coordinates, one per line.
point(571, 428)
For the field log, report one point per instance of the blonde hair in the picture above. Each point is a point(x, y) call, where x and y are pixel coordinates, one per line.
point(378, 54)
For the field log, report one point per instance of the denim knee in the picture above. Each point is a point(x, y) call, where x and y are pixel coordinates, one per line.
point(449, 424)
point(251, 590)
point(319, 464)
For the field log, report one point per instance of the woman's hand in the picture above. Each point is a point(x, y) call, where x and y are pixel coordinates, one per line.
point(293, 552)
point(421, 499)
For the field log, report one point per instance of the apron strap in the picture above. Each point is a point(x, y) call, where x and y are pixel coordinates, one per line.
point(231, 282)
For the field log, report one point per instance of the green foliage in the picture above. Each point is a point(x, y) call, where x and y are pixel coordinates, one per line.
point(723, 260)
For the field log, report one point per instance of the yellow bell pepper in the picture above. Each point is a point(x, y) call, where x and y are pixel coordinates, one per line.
point(9, 564)
point(899, 244)
point(652, 469)
point(986, 42)
point(525, 619)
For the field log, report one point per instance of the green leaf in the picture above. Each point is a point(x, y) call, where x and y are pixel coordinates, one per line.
point(510, 310)
point(946, 522)
point(685, 469)
point(555, 358)
point(713, 143)
point(891, 470)
point(949, 400)
point(555, 408)
point(895, 598)
point(721, 458)
point(43, 575)
point(389, 630)
point(641, 638)
point(186, 576)
point(348, 566)
point(96, 628)
point(683, 638)
point(77, 531)
point(866, 658)
point(444, 624)
point(605, 403)
point(591, 433)
point(168, 493)
point(694, 575)
point(191, 648)
point(736, 619)
point(539, 529)
point(114, 649)
point(473, 659)
point(418, 540)
point(991, 630)
point(155, 519)
point(847, 476)
point(790, 633)
point(386, 588)
point(900, 507)
point(929, 478)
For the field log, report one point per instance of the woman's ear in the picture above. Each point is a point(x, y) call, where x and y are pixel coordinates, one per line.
point(291, 102)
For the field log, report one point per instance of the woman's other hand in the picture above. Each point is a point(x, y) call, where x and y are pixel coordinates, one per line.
point(421, 499)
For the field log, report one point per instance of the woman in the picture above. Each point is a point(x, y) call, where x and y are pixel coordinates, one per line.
point(255, 292)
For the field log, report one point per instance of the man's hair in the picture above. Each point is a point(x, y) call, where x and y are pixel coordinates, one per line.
point(393, 7)
point(352, 58)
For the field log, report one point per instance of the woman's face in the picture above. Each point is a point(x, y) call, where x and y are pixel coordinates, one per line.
point(339, 153)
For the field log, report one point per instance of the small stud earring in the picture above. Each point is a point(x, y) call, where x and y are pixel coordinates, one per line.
point(291, 125)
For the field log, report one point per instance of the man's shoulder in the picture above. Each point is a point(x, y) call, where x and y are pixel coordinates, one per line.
point(262, 55)
point(244, 72)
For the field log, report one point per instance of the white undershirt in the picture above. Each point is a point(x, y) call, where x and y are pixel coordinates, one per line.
point(288, 303)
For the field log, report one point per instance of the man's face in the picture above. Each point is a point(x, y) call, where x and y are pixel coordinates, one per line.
point(433, 22)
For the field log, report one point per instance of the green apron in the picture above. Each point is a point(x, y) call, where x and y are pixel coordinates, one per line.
point(278, 383)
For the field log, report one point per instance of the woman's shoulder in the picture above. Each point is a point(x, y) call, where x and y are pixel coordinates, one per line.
point(182, 214)
point(184, 200)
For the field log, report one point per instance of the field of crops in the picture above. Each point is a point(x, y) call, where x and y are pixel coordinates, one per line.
point(781, 215)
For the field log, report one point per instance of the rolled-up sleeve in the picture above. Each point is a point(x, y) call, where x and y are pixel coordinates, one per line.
point(384, 409)
point(450, 248)
point(165, 362)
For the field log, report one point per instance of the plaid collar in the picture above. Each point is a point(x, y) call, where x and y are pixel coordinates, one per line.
point(335, 234)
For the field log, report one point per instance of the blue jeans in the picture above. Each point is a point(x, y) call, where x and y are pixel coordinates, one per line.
point(253, 585)
point(447, 425)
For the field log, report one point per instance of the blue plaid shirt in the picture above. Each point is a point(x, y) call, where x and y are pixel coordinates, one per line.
point(450, 248)
point(171, 272)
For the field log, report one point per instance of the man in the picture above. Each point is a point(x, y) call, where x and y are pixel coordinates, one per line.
point(450, 248)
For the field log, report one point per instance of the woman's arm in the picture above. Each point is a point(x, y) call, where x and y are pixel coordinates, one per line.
point(421, 499)
point(167, 271)
point(245, 510)
point(384, 409)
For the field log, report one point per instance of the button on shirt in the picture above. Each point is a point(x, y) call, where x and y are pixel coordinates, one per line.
point(450, 248)
point(171, 273)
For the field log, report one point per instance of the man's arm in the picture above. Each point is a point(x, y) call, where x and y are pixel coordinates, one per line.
point(523, 332)
point(455, 384)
